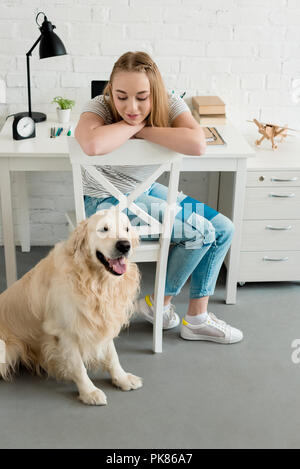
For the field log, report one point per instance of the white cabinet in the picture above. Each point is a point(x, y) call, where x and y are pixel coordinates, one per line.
point(270, 240)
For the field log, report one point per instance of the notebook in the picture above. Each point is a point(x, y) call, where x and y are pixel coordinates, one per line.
point(213, 137)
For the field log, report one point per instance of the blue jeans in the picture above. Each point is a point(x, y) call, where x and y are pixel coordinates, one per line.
point(200, 238)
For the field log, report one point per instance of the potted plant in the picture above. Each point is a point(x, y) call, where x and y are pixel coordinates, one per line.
point(64, 109)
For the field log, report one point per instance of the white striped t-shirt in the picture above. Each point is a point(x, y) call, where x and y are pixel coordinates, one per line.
point(125, 178)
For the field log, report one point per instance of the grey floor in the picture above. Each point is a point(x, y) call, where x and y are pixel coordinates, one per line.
point(195, 394)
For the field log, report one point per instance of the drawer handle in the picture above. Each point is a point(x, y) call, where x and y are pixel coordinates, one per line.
point(281, 195)
point(284, 180)
point(266, 258)
point(269, 227)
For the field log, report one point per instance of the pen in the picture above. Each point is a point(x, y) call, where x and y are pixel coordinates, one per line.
point(60, 131)
point(69, 132)
point(57, 132)
point(180, 95)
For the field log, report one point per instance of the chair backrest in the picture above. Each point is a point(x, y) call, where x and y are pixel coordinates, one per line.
point(134, 152)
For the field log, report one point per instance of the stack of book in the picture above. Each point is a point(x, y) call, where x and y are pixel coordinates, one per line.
point(209, 110)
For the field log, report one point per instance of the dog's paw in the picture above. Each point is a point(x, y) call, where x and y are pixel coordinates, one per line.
point(128, 381)
point(96, 397)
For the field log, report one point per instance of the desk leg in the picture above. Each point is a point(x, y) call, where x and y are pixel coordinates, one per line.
point(7, 223)
point(213, 189)
point(23, 211)
point(237, 219)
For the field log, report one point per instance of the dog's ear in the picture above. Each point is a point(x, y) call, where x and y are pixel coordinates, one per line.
point(78, 237)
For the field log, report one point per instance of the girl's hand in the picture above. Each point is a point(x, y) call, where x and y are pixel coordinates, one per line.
point(139, 127)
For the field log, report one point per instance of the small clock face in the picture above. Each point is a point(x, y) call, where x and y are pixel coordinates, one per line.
point(25, 127)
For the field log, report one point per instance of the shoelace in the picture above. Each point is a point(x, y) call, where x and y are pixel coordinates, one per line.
point(170, 314)
point(222, 324)
point(218, 321)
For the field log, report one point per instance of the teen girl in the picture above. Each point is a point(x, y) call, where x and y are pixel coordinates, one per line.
point(135, 104)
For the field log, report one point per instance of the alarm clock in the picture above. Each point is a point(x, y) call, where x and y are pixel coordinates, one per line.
point(23, 127)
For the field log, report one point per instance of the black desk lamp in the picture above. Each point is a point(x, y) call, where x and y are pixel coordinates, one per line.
point(50, 46)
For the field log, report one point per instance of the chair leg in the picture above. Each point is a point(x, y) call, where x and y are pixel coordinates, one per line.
point(159, 291)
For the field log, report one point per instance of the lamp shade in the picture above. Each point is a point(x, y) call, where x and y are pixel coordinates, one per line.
point(50, 44)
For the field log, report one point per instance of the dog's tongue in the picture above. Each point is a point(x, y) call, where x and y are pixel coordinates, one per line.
point(118, 265)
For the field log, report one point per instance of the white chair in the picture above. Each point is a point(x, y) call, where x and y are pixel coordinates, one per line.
point(135, 152)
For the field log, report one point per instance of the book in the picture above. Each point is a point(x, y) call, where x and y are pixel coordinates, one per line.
point(213, 119)
point(208, 105)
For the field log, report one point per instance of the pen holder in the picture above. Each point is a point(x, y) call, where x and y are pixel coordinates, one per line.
point(63, 115)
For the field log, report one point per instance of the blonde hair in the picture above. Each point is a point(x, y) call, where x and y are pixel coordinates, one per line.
point(142, 62)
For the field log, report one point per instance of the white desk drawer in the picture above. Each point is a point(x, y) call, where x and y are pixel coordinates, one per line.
point(272, 203)
point(273, 178)
point(253, 267)
point(270, 235)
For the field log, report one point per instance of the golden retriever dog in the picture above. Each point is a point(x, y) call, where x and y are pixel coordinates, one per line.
point(63, 315)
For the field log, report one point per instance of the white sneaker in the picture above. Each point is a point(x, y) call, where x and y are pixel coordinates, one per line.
point(212, 329)
point(145, 307)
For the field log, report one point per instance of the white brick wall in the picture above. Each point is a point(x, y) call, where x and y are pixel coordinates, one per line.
point(246, 51)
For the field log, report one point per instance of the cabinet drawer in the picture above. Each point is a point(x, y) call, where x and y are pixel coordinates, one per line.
point(271, 235)
point(254, 268)
point(273, 178)
point(272, 203)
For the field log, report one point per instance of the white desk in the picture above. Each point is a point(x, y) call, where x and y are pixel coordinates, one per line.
point(45, 154)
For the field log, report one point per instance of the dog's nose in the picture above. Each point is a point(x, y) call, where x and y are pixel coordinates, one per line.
point(123, 246)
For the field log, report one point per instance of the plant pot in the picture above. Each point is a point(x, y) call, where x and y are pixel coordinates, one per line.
point(63, 115)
